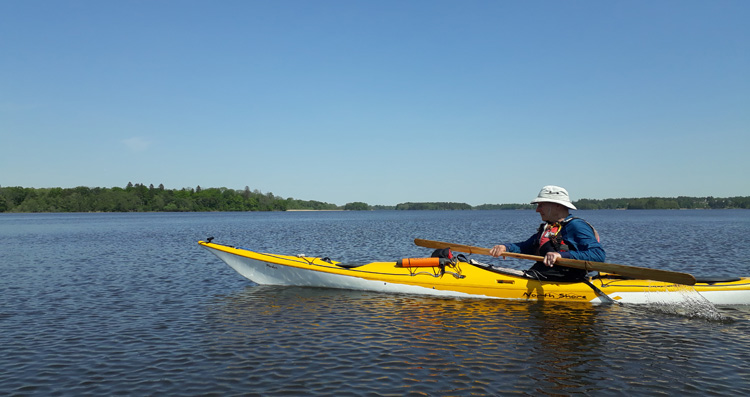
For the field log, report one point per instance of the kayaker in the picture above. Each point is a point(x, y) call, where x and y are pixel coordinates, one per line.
point(561, 235)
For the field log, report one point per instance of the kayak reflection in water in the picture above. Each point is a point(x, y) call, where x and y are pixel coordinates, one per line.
point(560, 236)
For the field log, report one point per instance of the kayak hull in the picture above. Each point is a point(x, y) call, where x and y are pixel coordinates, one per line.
point(462, 280)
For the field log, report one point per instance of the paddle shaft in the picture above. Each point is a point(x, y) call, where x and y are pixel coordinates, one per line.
point(623, 270)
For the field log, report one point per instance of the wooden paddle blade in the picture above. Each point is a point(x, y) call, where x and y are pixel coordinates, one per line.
point(631, 271)
point(623, 270)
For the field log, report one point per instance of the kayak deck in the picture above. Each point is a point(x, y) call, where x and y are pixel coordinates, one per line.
point(459, 279)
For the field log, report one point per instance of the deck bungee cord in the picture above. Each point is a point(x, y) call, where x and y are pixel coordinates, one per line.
point(438, 265)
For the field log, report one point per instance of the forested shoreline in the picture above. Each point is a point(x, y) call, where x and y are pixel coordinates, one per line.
point(142, 198)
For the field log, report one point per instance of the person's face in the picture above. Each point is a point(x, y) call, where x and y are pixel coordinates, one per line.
point(546, 211)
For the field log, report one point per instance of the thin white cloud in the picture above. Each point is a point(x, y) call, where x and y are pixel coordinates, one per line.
point(137, 144)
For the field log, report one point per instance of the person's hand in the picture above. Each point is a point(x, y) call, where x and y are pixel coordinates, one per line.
point(551, 257)
point(497, 250)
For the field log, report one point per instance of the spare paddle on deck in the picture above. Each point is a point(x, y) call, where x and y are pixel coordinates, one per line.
point(623, 270)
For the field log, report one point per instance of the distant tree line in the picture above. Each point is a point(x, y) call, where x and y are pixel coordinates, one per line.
point(433, 206)
point(141, 198)
point(357, 206)
point(662, 203)
point(505, 207)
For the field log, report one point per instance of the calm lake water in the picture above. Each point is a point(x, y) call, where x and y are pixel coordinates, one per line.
point(99, 304)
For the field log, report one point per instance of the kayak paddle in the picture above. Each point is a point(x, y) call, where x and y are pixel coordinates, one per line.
point(623, 270)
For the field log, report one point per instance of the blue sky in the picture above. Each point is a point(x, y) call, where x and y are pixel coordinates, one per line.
point(379, 101)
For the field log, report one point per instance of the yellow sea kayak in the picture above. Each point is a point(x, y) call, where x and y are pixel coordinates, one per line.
point(463, 279)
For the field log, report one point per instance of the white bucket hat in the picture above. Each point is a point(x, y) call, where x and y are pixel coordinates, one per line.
point(554, 194)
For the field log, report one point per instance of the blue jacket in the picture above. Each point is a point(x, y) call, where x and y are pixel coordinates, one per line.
point(577, 234)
